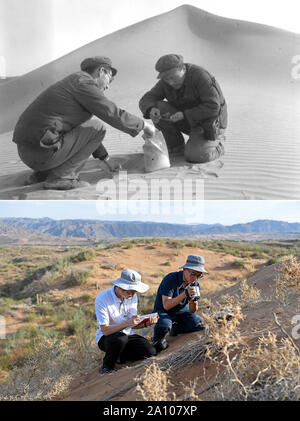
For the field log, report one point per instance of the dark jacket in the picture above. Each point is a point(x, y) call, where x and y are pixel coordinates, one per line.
point(200, 98)
point(67, 104)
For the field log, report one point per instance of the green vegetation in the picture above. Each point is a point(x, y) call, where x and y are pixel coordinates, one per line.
point(159, 274)
point(82, 256)
point(77, 277)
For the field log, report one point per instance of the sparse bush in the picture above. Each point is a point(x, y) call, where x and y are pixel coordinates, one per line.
point(288, 276)
point(82, 256)
point(159, 274)
point(77, 277)
point(249, 294)
point(239, 264)
point(153, 385)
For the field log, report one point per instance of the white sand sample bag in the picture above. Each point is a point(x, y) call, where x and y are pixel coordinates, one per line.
point(156, 155)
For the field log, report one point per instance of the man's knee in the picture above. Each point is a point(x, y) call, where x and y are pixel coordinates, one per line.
point(198, 150)
point(118, 340)
point(94, 130)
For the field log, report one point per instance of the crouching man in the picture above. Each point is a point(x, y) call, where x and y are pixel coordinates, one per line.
point(177, 301)
point(187, 99)
point(116, 311)
point(55, 135)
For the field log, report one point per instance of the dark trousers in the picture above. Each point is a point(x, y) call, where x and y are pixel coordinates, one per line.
point(182, 321)
point(122, 347)
point(197, 149)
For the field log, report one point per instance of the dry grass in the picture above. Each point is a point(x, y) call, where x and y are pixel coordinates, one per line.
point(249, 294)
point(270, 371)
point(153, 385)
point(288, 276)
point(47, 373)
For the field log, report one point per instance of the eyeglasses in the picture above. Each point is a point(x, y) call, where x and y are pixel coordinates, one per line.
point(195, 275)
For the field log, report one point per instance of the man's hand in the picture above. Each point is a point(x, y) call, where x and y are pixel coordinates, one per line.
point(155, 115)
point(149, 129)
point(152, 320)
point(177, 117)
point(134, 321)
point(191, 291)
point(112, 164)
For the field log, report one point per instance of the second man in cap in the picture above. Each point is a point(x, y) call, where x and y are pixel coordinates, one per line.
point(187, 99)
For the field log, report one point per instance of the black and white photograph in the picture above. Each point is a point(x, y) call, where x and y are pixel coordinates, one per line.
point(117, 100)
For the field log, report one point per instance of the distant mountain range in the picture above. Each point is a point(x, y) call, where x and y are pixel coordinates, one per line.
point(47, 229)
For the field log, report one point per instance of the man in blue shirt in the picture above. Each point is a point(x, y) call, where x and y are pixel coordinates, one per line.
point(177, 301)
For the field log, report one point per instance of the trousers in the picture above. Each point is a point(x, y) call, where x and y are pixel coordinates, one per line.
point(76, 147)
point(122, 347)
point(182, 321)
point(197, 149)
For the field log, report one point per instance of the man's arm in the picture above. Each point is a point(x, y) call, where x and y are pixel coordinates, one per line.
point(169, 302)
point(149, 100)
point(110, 329)
point(210, 99)
point(87, 93)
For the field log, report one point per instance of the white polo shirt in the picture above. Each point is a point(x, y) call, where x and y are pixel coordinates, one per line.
point(110, 310)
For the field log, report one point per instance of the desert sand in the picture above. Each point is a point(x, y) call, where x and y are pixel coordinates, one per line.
point(253, 64)
point(259, 320)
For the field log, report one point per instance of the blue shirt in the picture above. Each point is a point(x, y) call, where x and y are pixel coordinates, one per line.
point(171, 286)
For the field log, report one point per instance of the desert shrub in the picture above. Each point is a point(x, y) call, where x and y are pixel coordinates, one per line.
point(77, 277)
point(269, 371)
point(153, 385)
point(167, 263)
point(249, 294)
point(271, 261)
point(239, 264)
point(111, 266)
point(288, 276)
point(82, 256)
point(146, 303)
point(159, 274)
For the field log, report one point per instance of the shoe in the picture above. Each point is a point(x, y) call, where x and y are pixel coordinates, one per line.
point(105, 369)
point(65, 184)
point(160, 345)
point(36, 177)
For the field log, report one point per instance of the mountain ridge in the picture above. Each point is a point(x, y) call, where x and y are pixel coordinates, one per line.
point(101, 230)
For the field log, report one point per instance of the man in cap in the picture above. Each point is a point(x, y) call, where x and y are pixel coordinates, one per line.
point(187, 99)
point(116, 311)
point(55, 134)
point(177, 301)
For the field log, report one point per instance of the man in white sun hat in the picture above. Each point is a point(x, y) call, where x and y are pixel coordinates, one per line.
point(116, 311)
point(177, 301)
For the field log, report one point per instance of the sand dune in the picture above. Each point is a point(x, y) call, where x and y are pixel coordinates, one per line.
point(253, 64)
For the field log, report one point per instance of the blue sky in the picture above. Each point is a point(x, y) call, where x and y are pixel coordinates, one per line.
point(208, 212)
point(35, 32)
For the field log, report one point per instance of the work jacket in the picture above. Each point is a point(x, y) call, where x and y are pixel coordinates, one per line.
point(200, 98)
point(67, 104)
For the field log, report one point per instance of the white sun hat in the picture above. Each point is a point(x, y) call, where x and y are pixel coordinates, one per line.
point(130, 279)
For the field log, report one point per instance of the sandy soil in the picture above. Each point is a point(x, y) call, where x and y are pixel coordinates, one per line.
point(258, 321)
point(251, 62)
